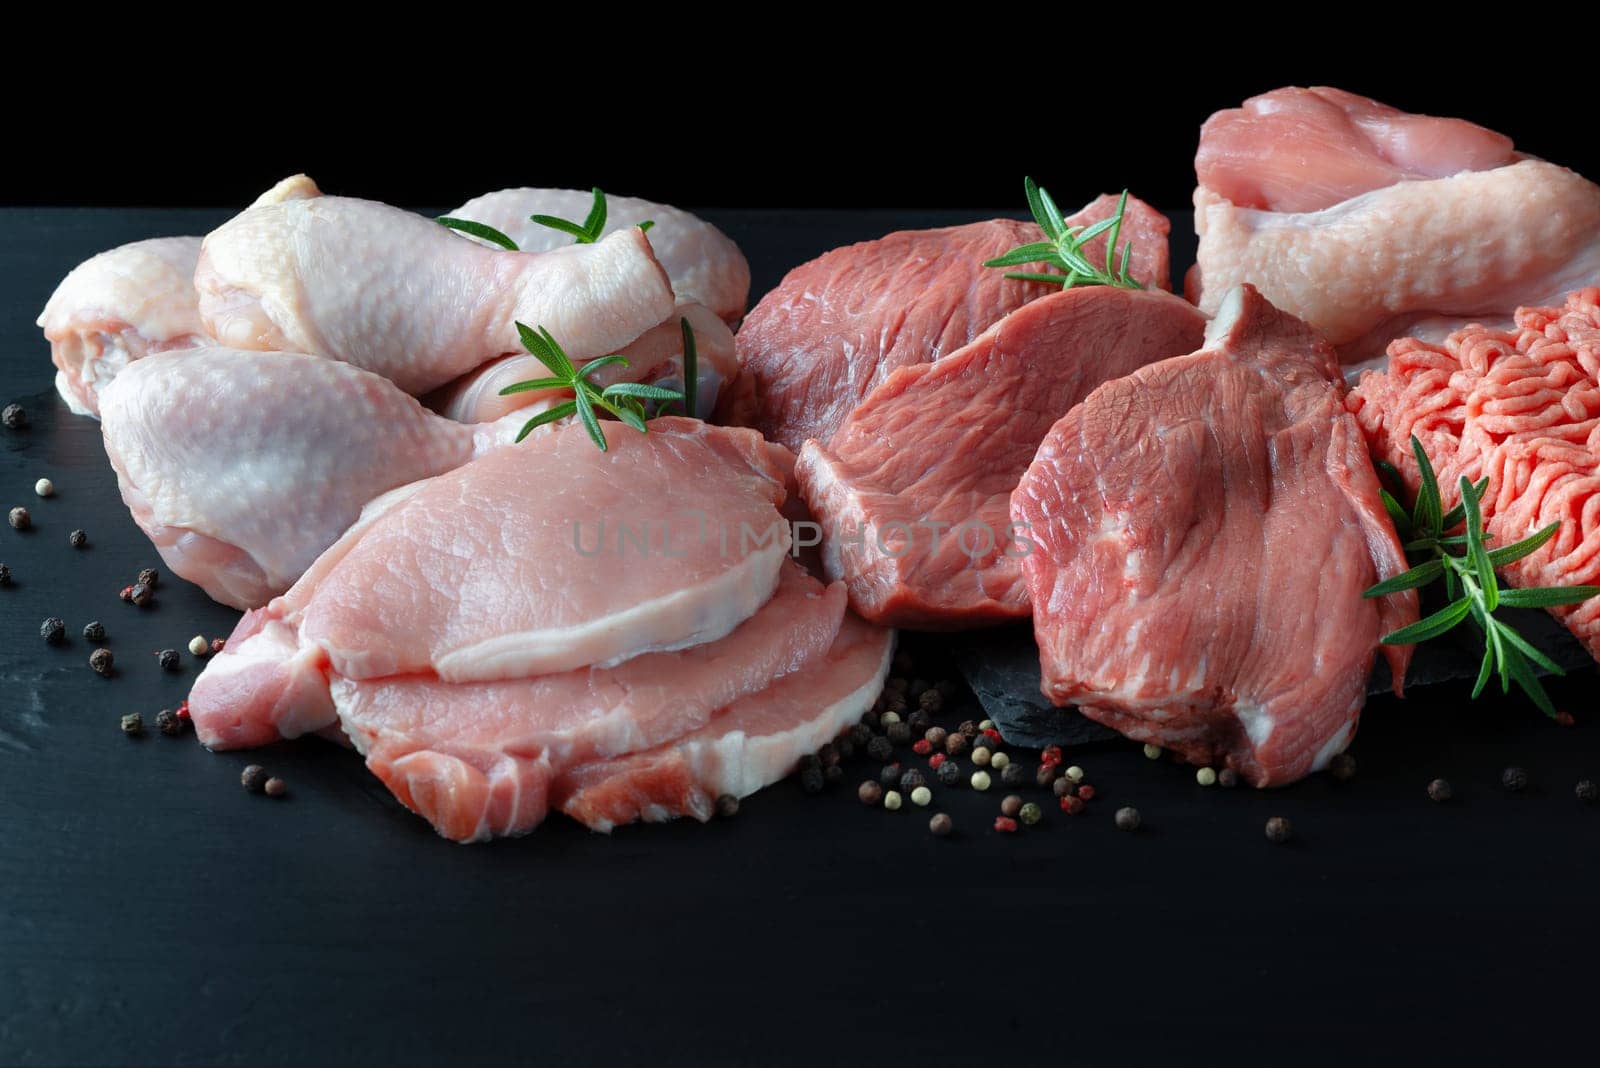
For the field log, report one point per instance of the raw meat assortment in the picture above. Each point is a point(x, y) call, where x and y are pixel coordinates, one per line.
point(1204, 529)
point(913, 494)
point(400, 295)
point(835, 328)
point(655, 357)
point(242, 467)
point(119, 307)
point(1520, 407)
point(475, 635)
point(705, 266)
point(749, 744)
point(1368, 222)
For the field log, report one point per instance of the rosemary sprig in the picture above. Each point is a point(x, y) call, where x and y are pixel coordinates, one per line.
point(1064, 247)
point(624, 400)
point(691, 371)
point(584, 233)
point(1467, 564)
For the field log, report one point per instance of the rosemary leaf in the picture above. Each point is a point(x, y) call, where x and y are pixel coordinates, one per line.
point(549, 415)
point(691, 371)
point(1547, 596)
point(1430, 626)
point(1420, 575)
point(1526, 547)
point(477, 229)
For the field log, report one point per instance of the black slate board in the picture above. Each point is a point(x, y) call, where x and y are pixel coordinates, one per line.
point(151, 912)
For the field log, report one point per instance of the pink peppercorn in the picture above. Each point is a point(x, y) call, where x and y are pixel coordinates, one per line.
point(935, 760)
point(922, 747)
point(1086, 792)
point(1005, 824)
point(1051, 756)
point(1071, 805)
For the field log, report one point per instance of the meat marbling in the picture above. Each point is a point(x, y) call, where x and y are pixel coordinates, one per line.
point(834, 328)
point(1205, 528)
point(913, 494)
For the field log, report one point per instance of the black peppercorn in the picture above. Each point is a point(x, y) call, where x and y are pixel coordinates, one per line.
point(828, 754)
point(169, 724)
point(1014, 774)
point(100, 660)
point(77, 539)
point(969, 729)
point(52, 630)
point(930, 701)
point(1342, 767)
point(1064, 787)
point(253, 778)
point(811, 780)
point(20, 519)
point(169, 659)
point(15, 417)
point(956, 744)
point(899, 733)
point(149, 576)
point(1128, 819)
point(1439, 790)
point(870, 793)
point(949, 773)
point(1514, 779)
point(1587, 791)
point(727, 806)
point(889, 776)
point(832, 773)
point(1010, 806)
point(910, 779)
point(919, 722)
point(133, 724)
point(870, 719)
point(1279, 829)
point(94, 632)
point(895, 703)
point(940, 825)
point(936, 736)
point(274, 787)
point(140, 594)
point(860, 734)
point(5, 575)
point(845, 747)
point(880, 748)
point(1046, 773)
point(1227, 778)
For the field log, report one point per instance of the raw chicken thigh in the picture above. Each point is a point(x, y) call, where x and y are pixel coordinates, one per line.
point(1368, 222)
point(399, 295)
point(704, 265)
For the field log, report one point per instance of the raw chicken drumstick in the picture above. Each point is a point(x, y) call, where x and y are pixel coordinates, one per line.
point(397, 294)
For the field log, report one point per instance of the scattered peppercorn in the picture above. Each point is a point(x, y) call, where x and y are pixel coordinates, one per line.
point(921, 747)
point(1000, 761)
point(921, 796)
point(1439, 790)
point(5, 575)
point(1030, 814)
point(846, 748)
point(980, 780)
point(911, 778)
point(77, 539)
point(1071, 805)
point(52, 630)
point(1010, 805)
point(168, 723)
point(1227, 778)
point(275, 787)
point(1012, 774)
point(986, 725)
point(1514, 779)
point(936, 760)
point(890, 775)
point(140, 594)
point(896, 703)
point(1045, 774)
point(1086, 792)
point(149, 576)
point(936, 736)
point(888, 719)
point(892, 801)
point(940, 825)
point(217, 645)
point(1152, 751)
point(44, 487)
point(1128, 819)
point(183, 710)
point(869, 792)
point(828, 754)
point(253, 777)
point(919, 722)
point(20, 519)
point(1279, 829)
point(1342, 767)
point(1075, 773)
point(811, 780)
point(1063, 787)
point(899, 733)
point(1005, 825)
point(931, 701)
point(981, 756)
point(1050, 756)
point(727, 806)
point(169, 659)
point(127, 593)
point(15, 417)
point(833, 773)
point(860, 734)
point(871, 720)
point(101, 660)
point(969, 729)
point(133, 724)
point(950, 773)
point(1206, 776)
point(1587, 791)
point(880, 748)
point(94, 632)
point(955, 744)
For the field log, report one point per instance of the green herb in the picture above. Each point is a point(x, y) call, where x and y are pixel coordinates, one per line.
point(588, 231)
point(1064, 247)
point(691, 370)
point(477, 229)
point(1468, 565)
point(625, 400)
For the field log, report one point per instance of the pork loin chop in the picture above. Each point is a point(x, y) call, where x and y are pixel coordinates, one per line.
point(1204, 530)
point(836, 327)
point(914, 492)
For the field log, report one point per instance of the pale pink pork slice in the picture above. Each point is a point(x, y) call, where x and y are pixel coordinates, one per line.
point(1205, 528)
point(1369, 223)
point(836, 327)
point(477, 759)
point(914, 491)
point(535, 558)
point(1521, 407)
point(751, 744)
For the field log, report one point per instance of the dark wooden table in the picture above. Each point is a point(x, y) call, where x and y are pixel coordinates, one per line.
point(151, 911)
